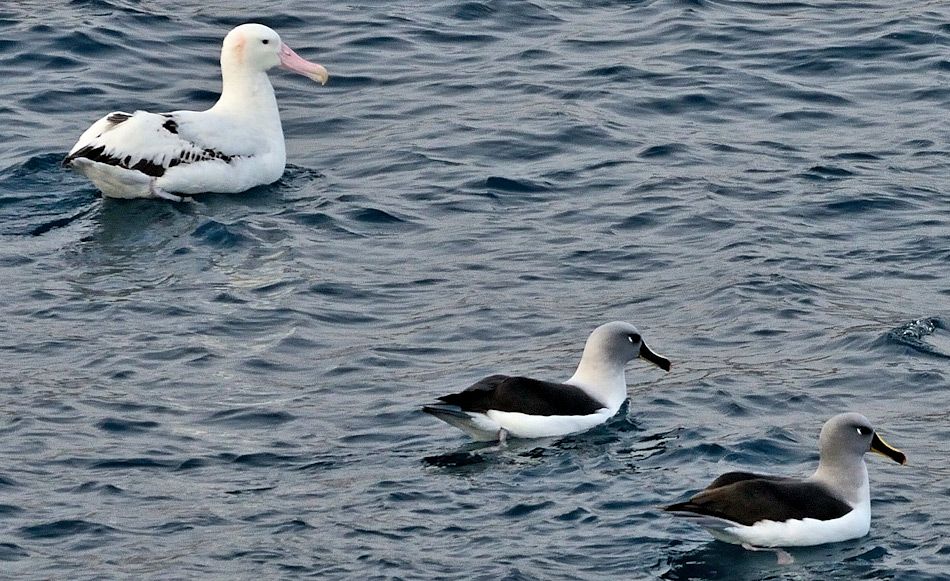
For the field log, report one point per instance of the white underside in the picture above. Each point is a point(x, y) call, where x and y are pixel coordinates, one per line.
point(485, 426)
point(793, 533)
point(212, 176)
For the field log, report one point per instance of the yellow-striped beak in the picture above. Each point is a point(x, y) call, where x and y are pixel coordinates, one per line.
point(884, 449)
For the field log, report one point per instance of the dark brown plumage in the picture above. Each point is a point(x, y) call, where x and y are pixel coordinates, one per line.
point(746, 498)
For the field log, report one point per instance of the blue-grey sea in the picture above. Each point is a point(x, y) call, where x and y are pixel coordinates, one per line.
point(231, 388)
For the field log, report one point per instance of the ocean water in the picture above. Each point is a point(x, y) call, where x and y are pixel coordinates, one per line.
point(231, 388)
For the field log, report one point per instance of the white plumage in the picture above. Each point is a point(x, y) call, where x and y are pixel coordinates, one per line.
point(522, 425)
point(233, 146)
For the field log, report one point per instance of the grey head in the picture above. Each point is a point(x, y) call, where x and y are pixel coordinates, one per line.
point(846, 437)
point(619, 342)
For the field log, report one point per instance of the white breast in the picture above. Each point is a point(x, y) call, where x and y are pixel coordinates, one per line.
point(800, 532)
point(528, 426)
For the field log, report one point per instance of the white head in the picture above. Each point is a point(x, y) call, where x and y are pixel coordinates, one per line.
point(255, 48)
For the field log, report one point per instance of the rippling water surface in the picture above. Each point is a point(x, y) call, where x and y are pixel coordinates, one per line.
point(231, 388)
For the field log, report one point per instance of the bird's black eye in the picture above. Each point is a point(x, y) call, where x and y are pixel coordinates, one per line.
point(864, 431)
point(634, 338)
point(266, 41)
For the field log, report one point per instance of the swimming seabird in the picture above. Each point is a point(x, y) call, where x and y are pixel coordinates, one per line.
point(233, 146)
point(501, 405)
point(833, 504)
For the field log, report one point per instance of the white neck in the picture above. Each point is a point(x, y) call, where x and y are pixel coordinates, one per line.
point(248, 94)
point(602, 379)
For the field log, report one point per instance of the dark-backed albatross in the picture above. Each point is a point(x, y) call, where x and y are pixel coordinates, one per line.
point(831, 505)
point(500, 406)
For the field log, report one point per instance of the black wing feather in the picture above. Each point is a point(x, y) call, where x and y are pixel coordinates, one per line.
point(118, 117)
point(98, 154)
point(148, 167)
point(525, 395)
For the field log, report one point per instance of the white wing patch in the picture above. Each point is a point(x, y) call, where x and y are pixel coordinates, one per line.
point(144, 142)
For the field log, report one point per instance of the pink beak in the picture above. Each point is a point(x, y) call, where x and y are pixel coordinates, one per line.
point(291, 60)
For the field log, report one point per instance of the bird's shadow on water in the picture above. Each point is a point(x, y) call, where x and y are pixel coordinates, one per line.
point(146, 223)
point(115, 213)
point(479, 456)
point(120, 227)
point(719, 560)
point(39, 196)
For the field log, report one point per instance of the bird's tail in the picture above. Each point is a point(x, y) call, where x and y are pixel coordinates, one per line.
point(455, 416)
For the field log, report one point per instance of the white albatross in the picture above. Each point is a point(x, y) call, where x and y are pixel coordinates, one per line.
point(233, 146)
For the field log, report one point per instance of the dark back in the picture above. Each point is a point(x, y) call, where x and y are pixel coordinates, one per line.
point(525, 395)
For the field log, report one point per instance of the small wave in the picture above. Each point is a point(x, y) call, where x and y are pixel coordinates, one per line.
point(64, 528)
point(455, 38)
point(513, 185)
point(618, 73)
point(264, 460)
point(806, 115)
point(191, 464)
point(32, 200)
point(12, 552)
point(133, 463)
point(217, 234)
point(256, 490)
point(375, 216)
point(864, 205)
point(97, 487)
point(665, 150)
point(117, 425)
point(82, 42)
point(8, 509)
point(816, 97)
point(503, 15)
point(473, 11)
point(294, 526)
point(857, 156)
point(245, 418)
point(681, 104)
point(827, 172)
point(388, 42)
point(340, 290)
point(454, 460)
point(525, 508)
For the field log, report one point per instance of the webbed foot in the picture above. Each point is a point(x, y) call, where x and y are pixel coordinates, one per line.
point(782, 556)
point(161, 194)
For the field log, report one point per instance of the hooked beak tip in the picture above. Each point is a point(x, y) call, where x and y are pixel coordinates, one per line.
point(654, 358)
point(294, 62)
point(879, 446)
